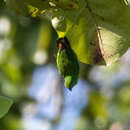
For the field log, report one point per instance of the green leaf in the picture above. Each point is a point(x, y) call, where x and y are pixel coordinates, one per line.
point(28, 7)
point(5, 104)
point(65, 4)
point(98, 31)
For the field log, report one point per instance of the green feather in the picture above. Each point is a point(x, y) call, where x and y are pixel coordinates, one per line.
point(70, 81)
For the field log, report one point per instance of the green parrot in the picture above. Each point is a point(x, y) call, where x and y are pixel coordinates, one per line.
point(67, 63)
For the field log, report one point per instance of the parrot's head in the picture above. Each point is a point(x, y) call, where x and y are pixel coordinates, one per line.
point(63, 43)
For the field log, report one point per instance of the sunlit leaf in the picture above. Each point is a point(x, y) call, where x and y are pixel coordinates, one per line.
point(98, 31)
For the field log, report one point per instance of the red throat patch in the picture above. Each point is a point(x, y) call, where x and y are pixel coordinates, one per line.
point(60, 45)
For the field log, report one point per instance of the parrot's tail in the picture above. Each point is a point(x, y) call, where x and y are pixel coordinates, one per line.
point(70, 81)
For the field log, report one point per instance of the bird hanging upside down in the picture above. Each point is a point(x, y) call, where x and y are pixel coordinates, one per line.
point(67, 63)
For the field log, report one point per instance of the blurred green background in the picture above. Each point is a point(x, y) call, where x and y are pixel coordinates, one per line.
point(28, 75)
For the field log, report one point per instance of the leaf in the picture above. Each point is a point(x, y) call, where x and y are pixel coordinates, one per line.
point(65, 4)
point(5, 104)
point(98, 32)
point(28, 7)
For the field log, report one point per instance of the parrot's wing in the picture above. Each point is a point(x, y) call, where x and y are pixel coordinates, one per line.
point(68, 63)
